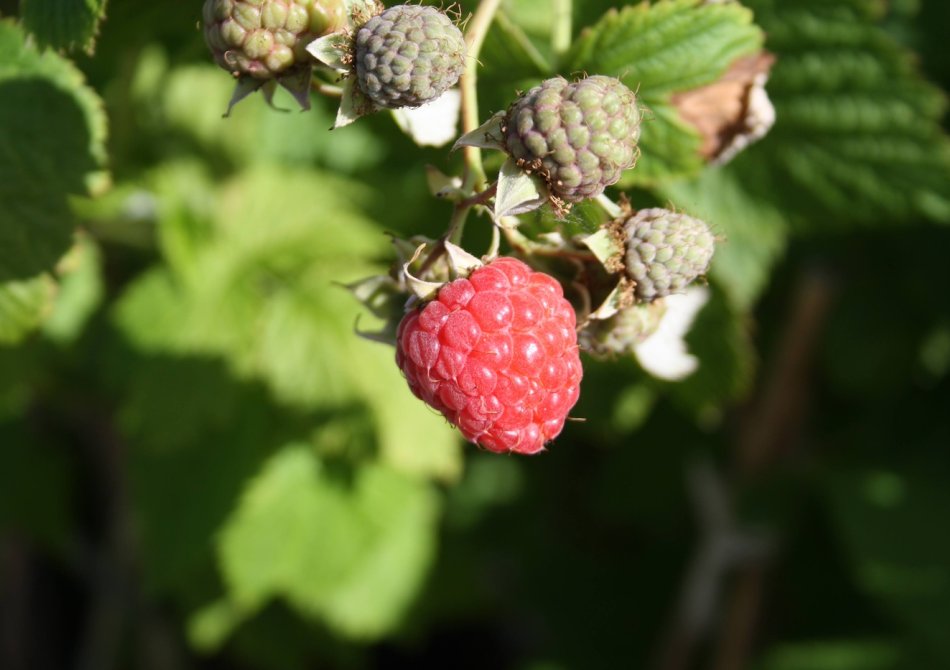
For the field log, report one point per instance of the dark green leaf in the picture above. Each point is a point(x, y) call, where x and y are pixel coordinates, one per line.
point(857, 134)
point(63, 24)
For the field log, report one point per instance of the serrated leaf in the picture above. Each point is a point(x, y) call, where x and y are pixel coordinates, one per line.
point(666, 46)
point(53, 131)
point(658, 49)
point(750, 232)
point(23, 305)
point(268, 299)
point(349, 551)
point(63, 24)
point(857, 134)
point(509, 53)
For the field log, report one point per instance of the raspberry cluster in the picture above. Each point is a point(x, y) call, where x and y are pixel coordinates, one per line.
point(665, 251)
point(496, 353)
point(579, 136)
point(264, 38)
point(408, 55)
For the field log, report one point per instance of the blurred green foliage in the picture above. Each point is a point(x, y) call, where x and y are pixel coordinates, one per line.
point(202, 465)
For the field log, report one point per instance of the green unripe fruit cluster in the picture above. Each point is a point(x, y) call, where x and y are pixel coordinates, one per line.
point(623, 331)
point(665, 251)
point(264, 38)
point(408, 55)
point(579, 136)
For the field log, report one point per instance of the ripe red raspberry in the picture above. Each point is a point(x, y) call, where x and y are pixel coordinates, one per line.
point(497, 355)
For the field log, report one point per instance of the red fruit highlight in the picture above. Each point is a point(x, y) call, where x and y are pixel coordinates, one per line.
point(496, 353)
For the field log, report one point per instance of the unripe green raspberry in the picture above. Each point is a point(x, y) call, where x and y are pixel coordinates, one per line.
point(264, 38)
point(579, 136)
point(620, 333)
point(408, 55)
point(665, 251)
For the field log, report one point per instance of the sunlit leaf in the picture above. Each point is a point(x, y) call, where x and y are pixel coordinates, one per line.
point(53, 129)
point(348, 549)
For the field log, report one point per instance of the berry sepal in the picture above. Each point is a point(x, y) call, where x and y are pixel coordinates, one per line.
point(489, 135)
point(518, 192)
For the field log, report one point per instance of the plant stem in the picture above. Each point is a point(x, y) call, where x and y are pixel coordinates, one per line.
point(561, 32)
point(326, 89)
point(474, 38)
point(473, 171)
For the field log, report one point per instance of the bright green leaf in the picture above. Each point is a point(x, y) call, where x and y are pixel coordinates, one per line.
point(23, 304)
point(351, 550)
point(191, 100)
point(255, 277)
point(63, 24)
point(80, 292)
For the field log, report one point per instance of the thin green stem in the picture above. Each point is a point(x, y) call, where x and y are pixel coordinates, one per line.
point(474, 173)
point(474, 38)
point(561, 32)
point(326, 89)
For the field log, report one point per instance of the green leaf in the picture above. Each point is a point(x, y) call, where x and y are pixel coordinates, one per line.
point(23, 305)
point(857, 134)
point(667, 46)
point(658, 49)
point(886, 520)
point(750, 233)
point(64, 24)
point(349, 550)
point(669, 148)
point(53, 139)
point(190, 100)
point(833, 655)
point(80, 292)
point(255, 277)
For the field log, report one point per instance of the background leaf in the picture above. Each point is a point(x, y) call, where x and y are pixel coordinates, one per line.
point(64, 24)
point(54, 139)
point(23, 304)
point(857, 131)
point(348, 550)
